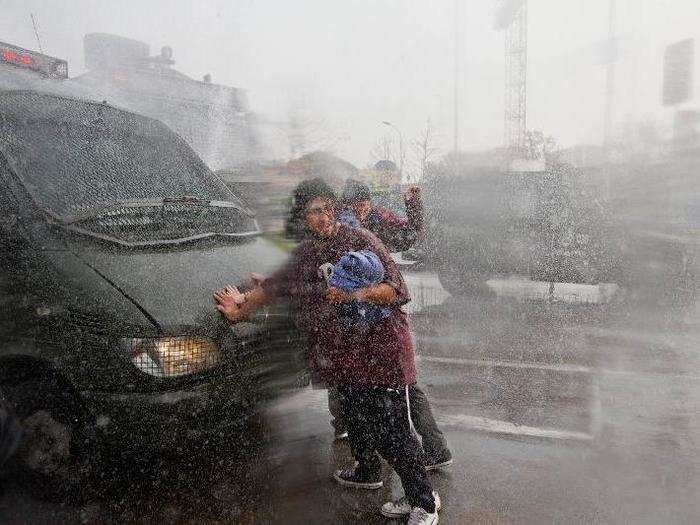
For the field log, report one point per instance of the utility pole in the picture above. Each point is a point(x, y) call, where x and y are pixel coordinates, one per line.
point(515, 123)
point(610, 76)
point(609, 96)
point(455, 132)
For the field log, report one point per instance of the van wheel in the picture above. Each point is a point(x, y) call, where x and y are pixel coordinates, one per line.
point(55, 442)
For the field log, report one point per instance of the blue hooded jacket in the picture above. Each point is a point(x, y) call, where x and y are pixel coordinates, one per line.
point(357, 270)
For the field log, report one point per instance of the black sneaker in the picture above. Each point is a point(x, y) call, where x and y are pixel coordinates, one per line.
point(442, 461)
point(353, 477)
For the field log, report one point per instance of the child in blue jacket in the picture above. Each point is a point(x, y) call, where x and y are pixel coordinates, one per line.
point(353, 271)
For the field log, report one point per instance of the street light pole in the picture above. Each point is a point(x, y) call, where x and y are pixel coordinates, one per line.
point(386, 123)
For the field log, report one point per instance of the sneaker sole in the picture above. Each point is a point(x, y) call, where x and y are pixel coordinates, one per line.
point(355, 484)
point(401, 516)
point(393, 515)
point(439, 465)
point(398, 515)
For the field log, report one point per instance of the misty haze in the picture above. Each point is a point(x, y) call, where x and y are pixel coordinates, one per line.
point(349, 262)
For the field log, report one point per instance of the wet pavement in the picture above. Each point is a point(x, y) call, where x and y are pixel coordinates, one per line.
point(555, 412)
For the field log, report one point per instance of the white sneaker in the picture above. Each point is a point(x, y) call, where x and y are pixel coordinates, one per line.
point(420, 516)
point(402, 508)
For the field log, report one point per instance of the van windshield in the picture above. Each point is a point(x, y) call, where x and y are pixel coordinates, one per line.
point(75, 156)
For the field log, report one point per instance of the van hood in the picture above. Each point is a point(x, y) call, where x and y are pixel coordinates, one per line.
point(175, 286)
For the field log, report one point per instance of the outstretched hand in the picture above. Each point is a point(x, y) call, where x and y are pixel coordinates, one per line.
point(229, 303)
point(412, 193)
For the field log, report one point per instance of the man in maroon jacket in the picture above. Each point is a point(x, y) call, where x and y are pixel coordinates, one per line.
point(398, 234)
point(371, 369)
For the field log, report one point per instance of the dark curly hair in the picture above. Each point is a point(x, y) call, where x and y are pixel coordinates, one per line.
point(305, 192)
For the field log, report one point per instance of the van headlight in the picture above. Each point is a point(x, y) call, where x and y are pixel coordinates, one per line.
point(172, 356)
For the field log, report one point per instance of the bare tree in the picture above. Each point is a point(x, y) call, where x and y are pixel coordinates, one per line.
point(385, 149)
point(307, 133)
point(424, 149)
point(541, 146)
point(307, 130)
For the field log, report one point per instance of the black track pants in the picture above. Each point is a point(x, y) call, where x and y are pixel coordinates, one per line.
point(377, 422)
point(434, 442)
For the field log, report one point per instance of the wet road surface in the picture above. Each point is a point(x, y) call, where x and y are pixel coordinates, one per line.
point(554, 413)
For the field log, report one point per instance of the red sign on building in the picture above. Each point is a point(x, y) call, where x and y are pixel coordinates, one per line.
point(49, 66)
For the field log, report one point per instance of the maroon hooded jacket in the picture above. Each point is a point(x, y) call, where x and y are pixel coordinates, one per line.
point(398, 233)
point(383, 355)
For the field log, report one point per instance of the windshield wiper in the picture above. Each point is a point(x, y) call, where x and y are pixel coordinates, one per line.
point(96, 211)
point(187, 198)
point(151, 223)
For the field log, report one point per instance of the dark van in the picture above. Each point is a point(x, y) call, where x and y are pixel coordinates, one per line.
point(114, 236)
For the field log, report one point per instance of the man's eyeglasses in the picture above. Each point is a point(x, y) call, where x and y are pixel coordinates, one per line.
point(327, 209)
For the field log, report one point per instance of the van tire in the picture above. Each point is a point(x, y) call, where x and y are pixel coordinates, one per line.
point(56, 444)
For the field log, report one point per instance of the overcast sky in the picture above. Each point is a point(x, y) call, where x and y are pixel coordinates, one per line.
point(364, 61)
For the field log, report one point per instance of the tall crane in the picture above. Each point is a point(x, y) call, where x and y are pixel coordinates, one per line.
point(511, 16)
